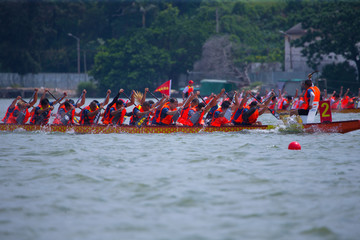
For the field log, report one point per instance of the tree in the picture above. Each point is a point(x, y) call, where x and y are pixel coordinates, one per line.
point(130, 63)
point(338, 75)
point(332, 27)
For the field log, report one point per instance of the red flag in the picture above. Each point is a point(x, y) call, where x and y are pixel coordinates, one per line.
point(164, 88)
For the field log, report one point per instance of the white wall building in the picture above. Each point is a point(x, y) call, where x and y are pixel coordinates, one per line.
point(294, 61)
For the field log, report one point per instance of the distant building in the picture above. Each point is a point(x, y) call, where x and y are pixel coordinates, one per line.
point(294, 61)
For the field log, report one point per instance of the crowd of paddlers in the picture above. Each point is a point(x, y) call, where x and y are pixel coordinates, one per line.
point(241, 108)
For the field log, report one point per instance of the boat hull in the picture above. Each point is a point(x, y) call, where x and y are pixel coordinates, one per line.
point(334, 127)
point(349, 110)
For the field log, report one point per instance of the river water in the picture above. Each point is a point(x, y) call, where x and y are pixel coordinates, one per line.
point(179, 186)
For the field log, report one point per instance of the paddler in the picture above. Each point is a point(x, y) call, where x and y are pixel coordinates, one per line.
point(189, 109)
point(219, 118)
point(18, 112)
point(115, 105)
point(116, 113)
point(90, 115)
point(239, 108)
point(140, 111)
point(167, 112)
point(41, 114)
point(311, 98)
point(251, 113)
point(65, 114)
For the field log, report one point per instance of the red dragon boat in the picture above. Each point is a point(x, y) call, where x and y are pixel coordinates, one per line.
point(332, 127)
point(347, 110)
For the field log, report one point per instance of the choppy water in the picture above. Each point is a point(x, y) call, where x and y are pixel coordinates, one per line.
point(180, 186)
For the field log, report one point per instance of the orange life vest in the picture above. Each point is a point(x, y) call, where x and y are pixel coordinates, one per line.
point(134, 118)
point(60, 121)
point(316, 91)
point(85, 119)
point(190, 89)
point(335, 104)
point(41, 119)
point(272, 104)
point(166, 120)
point(184, 116)
point(218, 121)
point(345, 103)
point(15, 119)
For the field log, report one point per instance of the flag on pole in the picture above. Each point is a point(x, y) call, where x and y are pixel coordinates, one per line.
point(164, 88)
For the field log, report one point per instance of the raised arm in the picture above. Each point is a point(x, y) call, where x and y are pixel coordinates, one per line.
point(60, 99)
point(107, 98)
point(32, 103)
point(143, 99)
point(83, 98)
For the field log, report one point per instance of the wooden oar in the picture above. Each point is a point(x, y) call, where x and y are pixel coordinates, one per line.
point(57, 100)
point(154, 96)
point(79, 98)
point(22, 113)
point(202, 98)
point(229, 97)
point(177, 114)
point(228, 112)
point(140, 122)
point(272, 111)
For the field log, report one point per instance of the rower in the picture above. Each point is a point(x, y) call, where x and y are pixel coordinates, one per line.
point(65, 114)
point(311, 101)
point(139, 111)
point(167, 112)
point(251, 113)
point(116, 113)
point(106, 118)
point(189, 109)
point(89, 113)
point(18, 112)
point(41, 114)
point(219, 119)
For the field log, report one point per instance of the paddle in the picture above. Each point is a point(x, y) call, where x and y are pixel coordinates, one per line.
point(22, 113)
point(154, 96)
point(229, 97)
point(79, 99)
point(57, 100)
point(228, 112)
point(177, 114)
point(272, 111)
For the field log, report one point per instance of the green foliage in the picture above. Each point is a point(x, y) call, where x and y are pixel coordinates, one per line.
point(144, 43)
point(338, 75)
point(90, 87)
point(332, 28)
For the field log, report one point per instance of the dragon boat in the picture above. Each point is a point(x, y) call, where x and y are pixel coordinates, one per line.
point(331, 127)
point(347, 110)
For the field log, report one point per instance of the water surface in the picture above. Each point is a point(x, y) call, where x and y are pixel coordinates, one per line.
point(244, 185)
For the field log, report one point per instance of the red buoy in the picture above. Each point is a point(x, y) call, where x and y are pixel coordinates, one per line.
point(294, 146)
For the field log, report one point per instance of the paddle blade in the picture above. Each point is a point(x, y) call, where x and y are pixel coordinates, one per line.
point(273, 112)
point(20, 118)
point(228, 114)
point(176, 116)
point(195, 118)
point(140, 122)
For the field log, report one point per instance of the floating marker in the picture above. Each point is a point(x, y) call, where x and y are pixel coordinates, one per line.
point(294, 146)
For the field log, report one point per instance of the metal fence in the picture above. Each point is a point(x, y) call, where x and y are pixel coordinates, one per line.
point(68, 81)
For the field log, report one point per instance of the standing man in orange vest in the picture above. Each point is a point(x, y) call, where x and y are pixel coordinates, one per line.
point(188, 89)
point(311, 98)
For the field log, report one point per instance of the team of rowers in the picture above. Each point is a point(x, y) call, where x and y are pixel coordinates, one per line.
point(216, 110)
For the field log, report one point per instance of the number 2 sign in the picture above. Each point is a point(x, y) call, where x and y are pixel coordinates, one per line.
point(325, 111)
